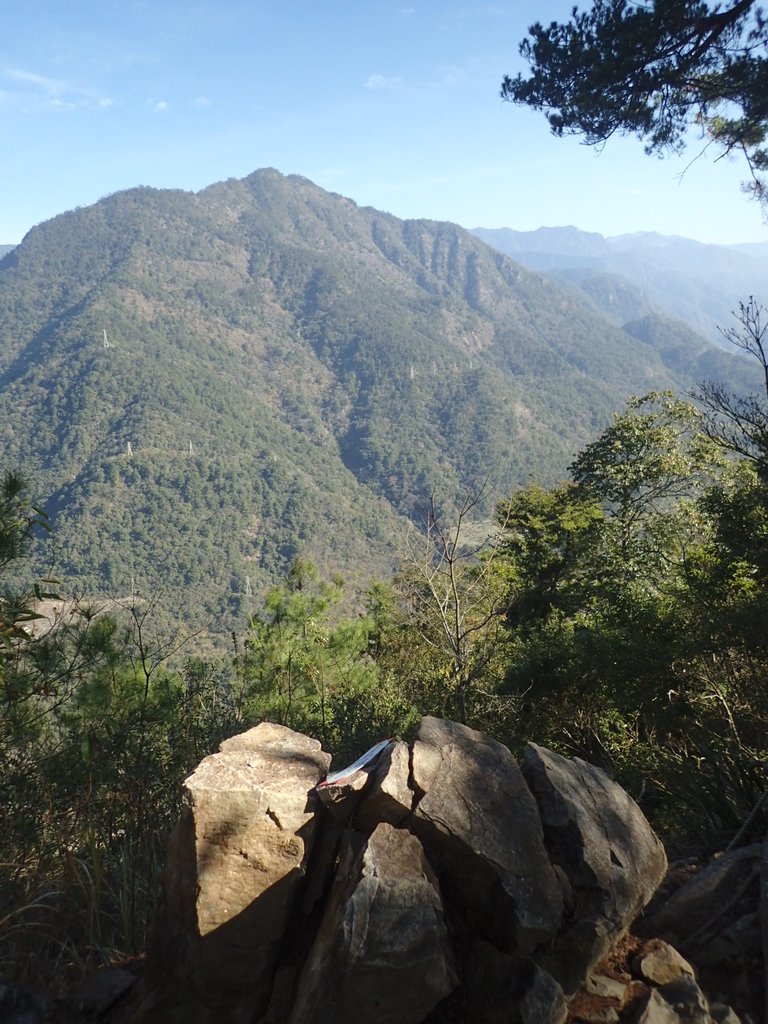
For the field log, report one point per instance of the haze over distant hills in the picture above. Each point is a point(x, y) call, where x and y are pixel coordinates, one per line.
point(627, 275)
point(202, 386)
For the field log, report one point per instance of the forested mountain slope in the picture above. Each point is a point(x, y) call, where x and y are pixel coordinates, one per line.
point(204, 385)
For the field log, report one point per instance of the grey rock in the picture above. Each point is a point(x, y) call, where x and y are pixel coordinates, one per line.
point(382, 954)
point(722, 1014)
point(504, 989)
point(481, 827)
point(600, 838)
point(101, 990)
point(687, 999)
point(22, 1004)
point(389, 798)
point(658, 1011)
point(703, 898)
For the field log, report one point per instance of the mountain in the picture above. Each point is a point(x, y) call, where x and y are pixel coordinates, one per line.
point(5, 249)
point(206, 385)
point(701, 284)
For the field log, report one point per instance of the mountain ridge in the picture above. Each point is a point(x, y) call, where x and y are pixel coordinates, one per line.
point(692, 281)
point(208, 384)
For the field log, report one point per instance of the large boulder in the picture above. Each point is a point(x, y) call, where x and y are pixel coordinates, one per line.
point(713, 918)
point(479, 823)
point(601, 841)
point(234, 864)
point(382, 953)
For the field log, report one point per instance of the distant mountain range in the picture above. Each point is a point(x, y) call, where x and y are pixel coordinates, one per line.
point(202, 386)
point(629, 275)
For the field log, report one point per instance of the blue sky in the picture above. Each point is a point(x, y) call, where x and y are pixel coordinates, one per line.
point(393, 104)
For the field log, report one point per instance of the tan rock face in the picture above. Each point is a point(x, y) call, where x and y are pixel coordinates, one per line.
point(237, 857)
point(661, 963)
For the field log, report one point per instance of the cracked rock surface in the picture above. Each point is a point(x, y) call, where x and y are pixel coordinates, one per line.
point(478, 819)
point(382, 952)
point(441, 884)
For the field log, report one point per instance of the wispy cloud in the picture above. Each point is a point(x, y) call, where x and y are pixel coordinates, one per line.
point(201, 103)
point(36, 91)
point(51, 85)
point(159, 106)
point(379, 82)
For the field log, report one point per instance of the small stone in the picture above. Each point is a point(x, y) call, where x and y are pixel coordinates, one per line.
point(660, 963)
point(610, 988)
point(658, 1011)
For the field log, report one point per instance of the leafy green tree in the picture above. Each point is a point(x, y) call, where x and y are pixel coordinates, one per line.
point(653, 69)
point(20, 521)
point(644, 470)
point(544, 534)
point(622, 647)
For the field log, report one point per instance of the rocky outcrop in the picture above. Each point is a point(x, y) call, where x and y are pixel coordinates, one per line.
point(646, 983)
point(434, 882)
